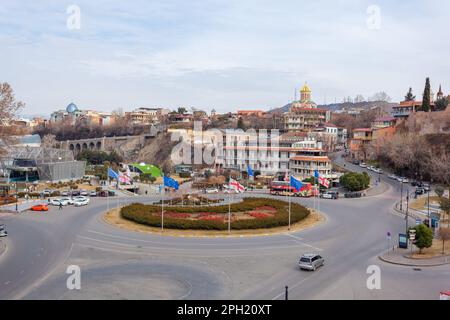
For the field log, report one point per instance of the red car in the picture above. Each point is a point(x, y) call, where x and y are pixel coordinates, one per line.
point(39, 207)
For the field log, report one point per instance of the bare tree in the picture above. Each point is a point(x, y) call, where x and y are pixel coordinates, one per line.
point(8, 109)
point(444, 235)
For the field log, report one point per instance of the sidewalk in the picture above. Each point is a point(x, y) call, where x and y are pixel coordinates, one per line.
point(21, 206)
point(400, 257)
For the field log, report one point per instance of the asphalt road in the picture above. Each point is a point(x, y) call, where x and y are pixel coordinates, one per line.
point(118, 264)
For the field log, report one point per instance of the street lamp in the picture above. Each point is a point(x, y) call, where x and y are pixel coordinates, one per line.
point(429, 213)
point(407, 210)
point(401, 196)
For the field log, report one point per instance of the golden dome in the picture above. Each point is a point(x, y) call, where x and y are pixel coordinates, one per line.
point(305, 88)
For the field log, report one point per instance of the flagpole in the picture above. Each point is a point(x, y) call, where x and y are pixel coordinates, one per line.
point(289, 227)
point(229, 206)
point(162, 205)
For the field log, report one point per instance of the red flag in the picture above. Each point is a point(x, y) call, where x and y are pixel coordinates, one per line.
point(236, 186)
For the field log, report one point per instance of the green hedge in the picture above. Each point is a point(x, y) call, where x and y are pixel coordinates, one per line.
point(150, 215)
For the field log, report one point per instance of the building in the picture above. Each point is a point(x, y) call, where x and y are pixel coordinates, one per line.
point(308, 157)
point(251, 113)
point(360, 143)
point(384, 122)
point(272, 155)
point(72, 115)
point(28, 164)
point(304, 114)
point(146, 115)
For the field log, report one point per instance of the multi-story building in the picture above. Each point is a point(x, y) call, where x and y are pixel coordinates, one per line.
point(383, 122)
point(308, 157)
point(146, 115)
point(304, 113)
point(360, 143)
point(73, 115)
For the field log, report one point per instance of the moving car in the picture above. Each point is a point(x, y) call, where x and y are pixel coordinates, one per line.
point(66, 200)
point(39, 207)
point(330, 195)
point(3, 233)
point(310, 261)
point(393, 176)
point(363, 165)
point(62, 201)
point(2, 227)
point(81, 202)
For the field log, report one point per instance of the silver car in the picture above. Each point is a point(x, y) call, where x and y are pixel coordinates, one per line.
point(310, 261)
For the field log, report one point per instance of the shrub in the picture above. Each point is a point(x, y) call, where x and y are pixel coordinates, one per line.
point(151, 215)
point(354, 181)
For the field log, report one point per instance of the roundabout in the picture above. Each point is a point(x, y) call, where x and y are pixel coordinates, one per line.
point(117, 263)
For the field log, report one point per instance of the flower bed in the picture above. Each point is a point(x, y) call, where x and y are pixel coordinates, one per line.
point(251, 213)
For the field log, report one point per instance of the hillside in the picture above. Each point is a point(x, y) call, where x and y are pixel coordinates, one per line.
point(386, 106)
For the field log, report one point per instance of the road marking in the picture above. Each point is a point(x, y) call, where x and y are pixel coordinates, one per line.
point(303, 243)
point(295, 285)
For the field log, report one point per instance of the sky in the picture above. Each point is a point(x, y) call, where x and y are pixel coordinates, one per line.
point(226, 55)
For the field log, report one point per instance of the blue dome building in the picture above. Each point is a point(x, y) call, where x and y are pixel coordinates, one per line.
point(71, 108)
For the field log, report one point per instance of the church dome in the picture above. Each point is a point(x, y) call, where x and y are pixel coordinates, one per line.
point(305, 88)
point(71, 108)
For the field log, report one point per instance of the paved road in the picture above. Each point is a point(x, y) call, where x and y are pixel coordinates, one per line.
point(118, 264)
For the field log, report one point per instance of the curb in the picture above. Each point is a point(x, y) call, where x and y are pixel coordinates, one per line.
point(412, 264)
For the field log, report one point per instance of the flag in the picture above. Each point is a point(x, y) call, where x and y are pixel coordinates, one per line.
point(236, 186)
point(296, 184)
point(316, 174)
point(124, 178)
point(286, 176)
point(113, 174)
point(323, 181)
point(171, 183)
point(250, 171)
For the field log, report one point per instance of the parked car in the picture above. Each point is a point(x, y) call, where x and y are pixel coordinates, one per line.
point(330, 195)
point(75, 193)
point(2, 227)
point(393, 176)
point(377, 170)
point(426, 187)
point(355, 162)
point(93, 193)
point(419, 191)
point(212, 190)
point(84, 193)
point(39, 207)
point(46, 193)
point(65, 193)
point(353, 195)
point(403, 179)
point(3, 233)
point(311, 261)
point(363, 165)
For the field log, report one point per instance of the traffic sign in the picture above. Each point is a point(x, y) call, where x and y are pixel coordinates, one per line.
point(418, 222)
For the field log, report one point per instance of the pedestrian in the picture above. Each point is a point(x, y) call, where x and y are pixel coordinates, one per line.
point(60, 206)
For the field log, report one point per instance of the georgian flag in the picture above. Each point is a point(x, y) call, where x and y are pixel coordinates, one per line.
point(236, 186)
point(321, 179)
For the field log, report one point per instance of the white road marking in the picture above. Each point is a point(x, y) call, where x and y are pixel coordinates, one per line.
point(304, 243)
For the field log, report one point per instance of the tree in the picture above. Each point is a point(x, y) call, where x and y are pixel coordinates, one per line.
point(444, 235)
point(240, 124)
point(410, 96)
point(424, 237)
point(8, 109)
point(48, 141)
point(444, 204)
point(355, 181)
point(359, 98)
point(441, 104)
point(381, 96)
point(439, 191)
point(426, 101)
point(182, 110)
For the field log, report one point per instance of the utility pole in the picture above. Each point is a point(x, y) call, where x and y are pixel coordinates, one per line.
point(407, 211)
point(401, 196)
point(286, 292)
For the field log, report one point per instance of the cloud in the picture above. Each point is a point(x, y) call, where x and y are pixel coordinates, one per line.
point(223, 54)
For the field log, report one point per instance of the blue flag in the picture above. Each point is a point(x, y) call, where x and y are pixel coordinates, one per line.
point(171, 183)
point(250, 171)
point(113, 174)
point(316, 174)
point(296, 183)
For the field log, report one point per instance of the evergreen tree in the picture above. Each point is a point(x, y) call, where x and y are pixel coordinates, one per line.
point(441, 104)
point(426, 102)
point(409, 96)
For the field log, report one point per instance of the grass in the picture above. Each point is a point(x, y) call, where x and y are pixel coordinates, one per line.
point(433, 252)
point(421, 203)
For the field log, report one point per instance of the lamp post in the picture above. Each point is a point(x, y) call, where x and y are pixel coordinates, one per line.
point(407, 211)
point(401, 196)
point(428, 201)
